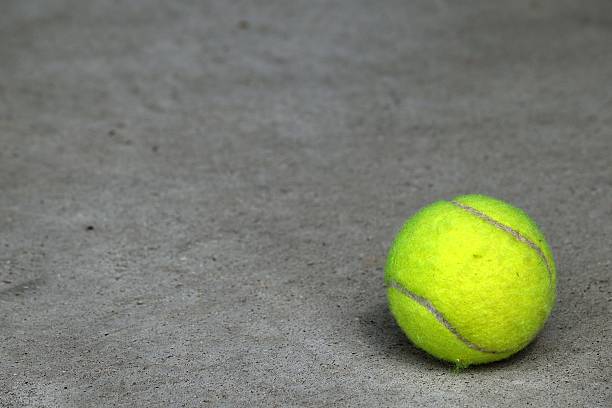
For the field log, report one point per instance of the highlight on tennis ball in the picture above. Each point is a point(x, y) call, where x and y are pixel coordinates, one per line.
point(470, 280)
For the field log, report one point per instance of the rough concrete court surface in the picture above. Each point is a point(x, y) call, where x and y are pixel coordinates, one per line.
point(197, 197)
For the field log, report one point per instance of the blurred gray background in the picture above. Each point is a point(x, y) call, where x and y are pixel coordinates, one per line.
point(197, 197)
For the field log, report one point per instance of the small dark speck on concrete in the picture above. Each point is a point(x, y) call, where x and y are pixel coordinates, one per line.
point(89, 228)
point(155, 148)
point(244, 25)
point(112, 132)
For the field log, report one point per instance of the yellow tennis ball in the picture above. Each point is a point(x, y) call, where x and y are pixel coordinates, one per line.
point(470, 280)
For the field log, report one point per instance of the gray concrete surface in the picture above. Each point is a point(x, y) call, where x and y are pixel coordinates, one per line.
point(197, 197)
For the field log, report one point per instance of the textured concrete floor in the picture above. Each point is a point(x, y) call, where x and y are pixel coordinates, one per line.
point(197, 197)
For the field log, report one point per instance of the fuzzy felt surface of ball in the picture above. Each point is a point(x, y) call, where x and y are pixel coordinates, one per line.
point(470, 280)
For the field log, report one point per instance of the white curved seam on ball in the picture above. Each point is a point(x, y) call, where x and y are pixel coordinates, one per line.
point(440, 318)
point(517, 235)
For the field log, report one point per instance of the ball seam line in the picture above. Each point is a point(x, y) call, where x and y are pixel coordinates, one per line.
point(517, 235)
point(442, 319)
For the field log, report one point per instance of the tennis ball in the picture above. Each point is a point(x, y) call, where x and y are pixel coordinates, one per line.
point(470, 280)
